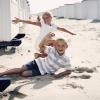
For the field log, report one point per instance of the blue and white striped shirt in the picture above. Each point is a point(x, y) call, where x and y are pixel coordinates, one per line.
point(53, 61)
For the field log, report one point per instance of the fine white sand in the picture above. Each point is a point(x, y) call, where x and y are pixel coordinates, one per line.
point(84, 52)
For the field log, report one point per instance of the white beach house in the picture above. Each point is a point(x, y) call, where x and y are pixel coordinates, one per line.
point(8, 10)
point(61, 11)
point(78, 12)
point(87, 9)
point(69, 11)
point(54, 12)
point(90, 10)
point(98, 7)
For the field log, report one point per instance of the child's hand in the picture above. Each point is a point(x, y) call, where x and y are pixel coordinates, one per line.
point(50, 35)
point(17, 20)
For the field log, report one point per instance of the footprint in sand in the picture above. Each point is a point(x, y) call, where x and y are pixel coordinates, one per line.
point(82, 70)
point(75, 86)
point(71, 85)
point(98, 66)
point(85, 69)
point(81, 76)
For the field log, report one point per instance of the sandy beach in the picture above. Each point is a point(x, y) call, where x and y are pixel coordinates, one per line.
point(84, 53)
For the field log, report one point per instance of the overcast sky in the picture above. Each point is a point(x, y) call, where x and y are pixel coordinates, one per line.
point(43, 5)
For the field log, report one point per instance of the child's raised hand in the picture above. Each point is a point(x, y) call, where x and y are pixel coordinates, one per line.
point(17, 20)
point(51, 34)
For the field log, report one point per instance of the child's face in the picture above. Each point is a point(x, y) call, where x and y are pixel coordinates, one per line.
point(47, 19)
point(60, 47)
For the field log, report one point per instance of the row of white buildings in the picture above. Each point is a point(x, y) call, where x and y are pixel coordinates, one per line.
point(8, 10)
point(87, 9)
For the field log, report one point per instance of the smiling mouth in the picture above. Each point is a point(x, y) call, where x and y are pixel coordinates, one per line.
point(60, 50)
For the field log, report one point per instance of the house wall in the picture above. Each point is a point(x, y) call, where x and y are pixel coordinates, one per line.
point(14, 28)
point(69, 11)
point(8, 10)
point(89, 8)
point(55, 12)
point(5, 27)
point(98, 8)
point(61, 11)
point(78, 12)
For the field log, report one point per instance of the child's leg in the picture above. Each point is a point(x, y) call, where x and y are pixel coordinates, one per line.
point(49, 42)
point(26, 73)
point(14, 71)
point(30, 69)
point(11, 72)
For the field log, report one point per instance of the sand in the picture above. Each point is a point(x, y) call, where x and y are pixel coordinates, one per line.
point(84, 52)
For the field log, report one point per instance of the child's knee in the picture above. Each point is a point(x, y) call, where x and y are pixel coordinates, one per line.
point(23, 74)
point(26, 74)
point(24, 68)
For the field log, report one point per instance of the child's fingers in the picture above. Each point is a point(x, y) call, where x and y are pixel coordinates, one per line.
point(16, 20)
point(52, 34)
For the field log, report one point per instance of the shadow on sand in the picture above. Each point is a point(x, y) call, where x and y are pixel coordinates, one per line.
point(37, 82)
point(4, 51)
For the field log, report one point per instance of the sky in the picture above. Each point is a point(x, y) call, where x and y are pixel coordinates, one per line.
point(37, 6)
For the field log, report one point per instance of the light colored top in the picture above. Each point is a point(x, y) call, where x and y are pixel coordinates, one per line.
point(44, 30)
point(53, 61)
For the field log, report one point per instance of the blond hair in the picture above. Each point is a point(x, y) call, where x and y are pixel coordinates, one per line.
point(46, 13)
point(62, 40)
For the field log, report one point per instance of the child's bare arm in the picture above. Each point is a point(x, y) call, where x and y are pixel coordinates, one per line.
point(46, 41)
point(42, 46)
point(65, 30)
point(17, 20)
point(64, 73)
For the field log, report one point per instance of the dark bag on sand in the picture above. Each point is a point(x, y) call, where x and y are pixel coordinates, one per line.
point(4, 83)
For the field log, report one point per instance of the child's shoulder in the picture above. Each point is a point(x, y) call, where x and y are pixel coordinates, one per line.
point(66, 57)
